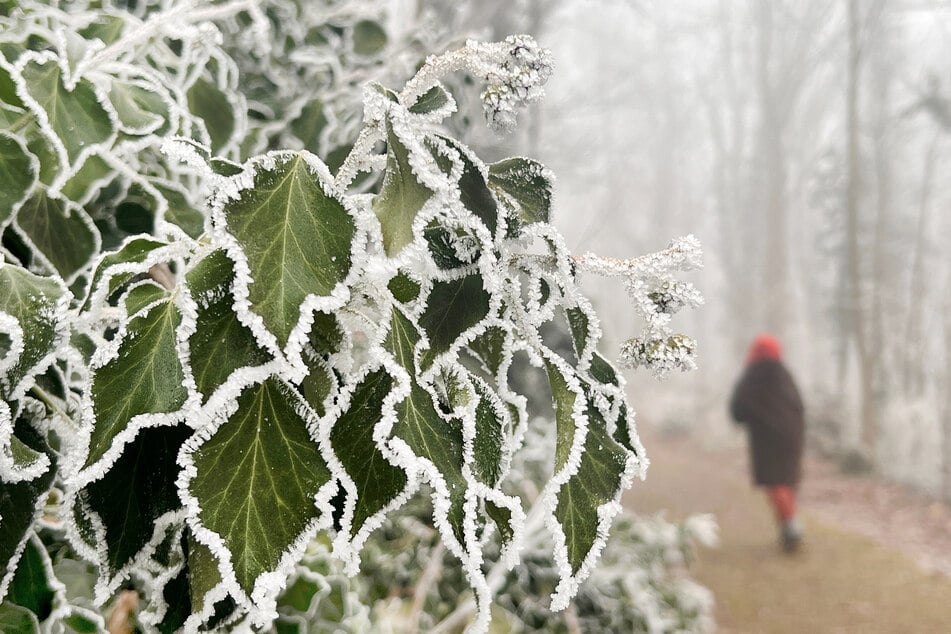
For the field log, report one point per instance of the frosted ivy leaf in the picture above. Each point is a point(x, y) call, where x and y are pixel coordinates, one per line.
point(401, 196)
point(526, 185)
point(18, 172)
point(140, 108)
point(261, 442)
point(32, 325)
point(140, 384)
point(135, 493)
point(74, 118)
point(60, 232)
point(20, 504)
point(220, 343)
point(291, 239)
point(376, 483)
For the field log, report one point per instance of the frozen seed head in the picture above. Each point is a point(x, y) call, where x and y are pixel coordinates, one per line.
point(660, 355)
point(522, 70)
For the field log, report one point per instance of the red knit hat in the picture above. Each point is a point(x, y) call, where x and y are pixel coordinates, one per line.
point(764, 347)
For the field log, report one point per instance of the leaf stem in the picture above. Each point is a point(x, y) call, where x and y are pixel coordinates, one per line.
point(50, 402)
point(25, 119)
point(430, 575)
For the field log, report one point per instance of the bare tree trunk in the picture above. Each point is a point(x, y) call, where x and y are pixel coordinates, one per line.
point(946, 426)
point(913, 372)
point(856, 312)
point(773, 257)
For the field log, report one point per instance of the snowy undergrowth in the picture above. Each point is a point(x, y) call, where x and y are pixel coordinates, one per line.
point(216, 352)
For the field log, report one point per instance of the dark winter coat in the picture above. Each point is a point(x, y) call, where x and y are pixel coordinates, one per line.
point(766, 400)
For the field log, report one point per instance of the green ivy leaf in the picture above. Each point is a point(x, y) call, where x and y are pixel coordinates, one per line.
point(565, 424)
point(452, 308)
point(142, 295)
point(17, 620)
point(92, 175)
point(369, 38)
point(18, 504)
point(308, 126)
point(61, 231)
point(401, 196)
point(141, 110)
point(473, 188)
point(296, 237)
point(602, 371)
point(502, 518)
point(45, 153)
point(439, 241)
point(489, 347)
point(488, 444)
point(404, 288)
point(378, 483)
point(597, 482)
point(78, 623)
point(326, 334)
point(77, 117)
point(133, 251)
point(326, 337)
point(17, 173)
point(137, 490)
point(432, 100)
point(30, 587)
point(256, 479)
point(25, 457)
point(221, 343)
point(420, 426)
point(211, 105)
point(104, 27)
point(33, 301)
point(8, 94)
point(181, 211)
point(525, 182)
point(580, 331)
point(145, 377)
point(175, 596)
point(203, 573)
point(300, 595)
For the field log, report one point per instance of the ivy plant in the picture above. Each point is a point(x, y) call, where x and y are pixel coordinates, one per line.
point(215, 352)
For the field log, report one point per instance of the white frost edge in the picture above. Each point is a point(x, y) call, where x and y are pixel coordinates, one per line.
point(347, 548)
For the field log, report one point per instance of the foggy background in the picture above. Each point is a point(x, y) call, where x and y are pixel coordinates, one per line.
point(806, 144)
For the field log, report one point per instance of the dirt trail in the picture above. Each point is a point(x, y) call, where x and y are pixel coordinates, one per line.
point(845, 580)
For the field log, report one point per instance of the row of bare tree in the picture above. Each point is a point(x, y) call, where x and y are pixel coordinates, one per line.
point(807, 144)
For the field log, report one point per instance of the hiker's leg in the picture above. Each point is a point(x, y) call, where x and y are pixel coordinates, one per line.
point(783, 499)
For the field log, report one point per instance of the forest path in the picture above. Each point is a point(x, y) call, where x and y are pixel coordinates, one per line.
point(845, 579)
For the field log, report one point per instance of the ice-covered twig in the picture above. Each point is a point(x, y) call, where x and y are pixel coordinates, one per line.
point(657, 295)
point(513, 70)
point(684, 254)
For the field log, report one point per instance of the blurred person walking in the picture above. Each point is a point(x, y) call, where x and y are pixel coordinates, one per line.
point(767, 402)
